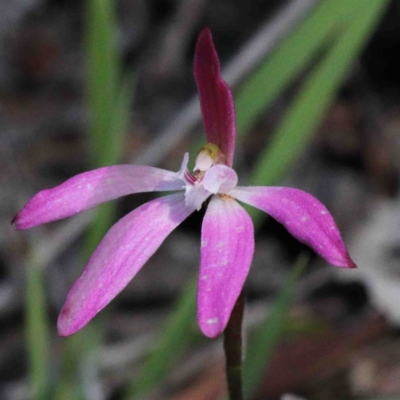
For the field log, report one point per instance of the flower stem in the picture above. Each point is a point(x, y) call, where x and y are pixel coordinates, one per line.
point(233, 350)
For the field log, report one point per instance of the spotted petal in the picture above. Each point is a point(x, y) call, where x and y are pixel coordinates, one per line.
point(216, 98)
point(227, 246)
point(88, 189)
point(305, 217)
point(118, 258)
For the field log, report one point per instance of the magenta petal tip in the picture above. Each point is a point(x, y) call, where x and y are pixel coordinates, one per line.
point(65, 327)
point(13, 221)
point(351, 263)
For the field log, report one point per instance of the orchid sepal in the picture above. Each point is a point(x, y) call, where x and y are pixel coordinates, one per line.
point(121, 254)
point(216, 100)
point(88, 189)
point(303, 215)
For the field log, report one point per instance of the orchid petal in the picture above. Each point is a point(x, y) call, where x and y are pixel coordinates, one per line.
point(305, 217)
point(216, 98)
point(119, 256)
point(227, 246)
point(91, 188)
point(220, 179)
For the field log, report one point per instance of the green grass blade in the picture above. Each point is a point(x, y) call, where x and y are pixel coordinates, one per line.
point(77, 351)
point(289, 59)
point(315, 96)
point(265, 339)
point(175, 335)
point(103, 73)
point(37, 330)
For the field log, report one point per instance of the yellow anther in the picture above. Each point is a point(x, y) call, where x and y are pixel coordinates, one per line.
point(209, 155)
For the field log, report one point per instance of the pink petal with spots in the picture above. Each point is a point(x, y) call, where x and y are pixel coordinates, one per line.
point(88, 189)
point(227, 246)
point(118, 258)
point(305, 217)
point(216, 98)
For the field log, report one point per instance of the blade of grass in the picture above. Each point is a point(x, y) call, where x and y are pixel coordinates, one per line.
point(175, 335)
point(37, 330)
point(267, 336)
point(77, 350)
point(288, 60)
point(316, 95)
point(318, 92)
point(103, 72)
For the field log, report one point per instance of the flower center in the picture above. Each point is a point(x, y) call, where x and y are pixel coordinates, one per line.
point(209, 177)
point(209, 155)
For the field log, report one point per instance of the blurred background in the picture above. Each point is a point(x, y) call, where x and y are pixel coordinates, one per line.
point(101, 82)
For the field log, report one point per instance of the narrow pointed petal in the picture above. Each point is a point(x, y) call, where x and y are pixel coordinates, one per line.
point(220, 179)
point(227, 246)
point(118, 258)
point(216, 98)
point(88, 189)
point(305, 217)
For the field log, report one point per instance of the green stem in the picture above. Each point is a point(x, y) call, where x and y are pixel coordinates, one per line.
point(233, 350)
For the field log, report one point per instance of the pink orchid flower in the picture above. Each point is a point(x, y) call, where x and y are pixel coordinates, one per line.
point(227, 235)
